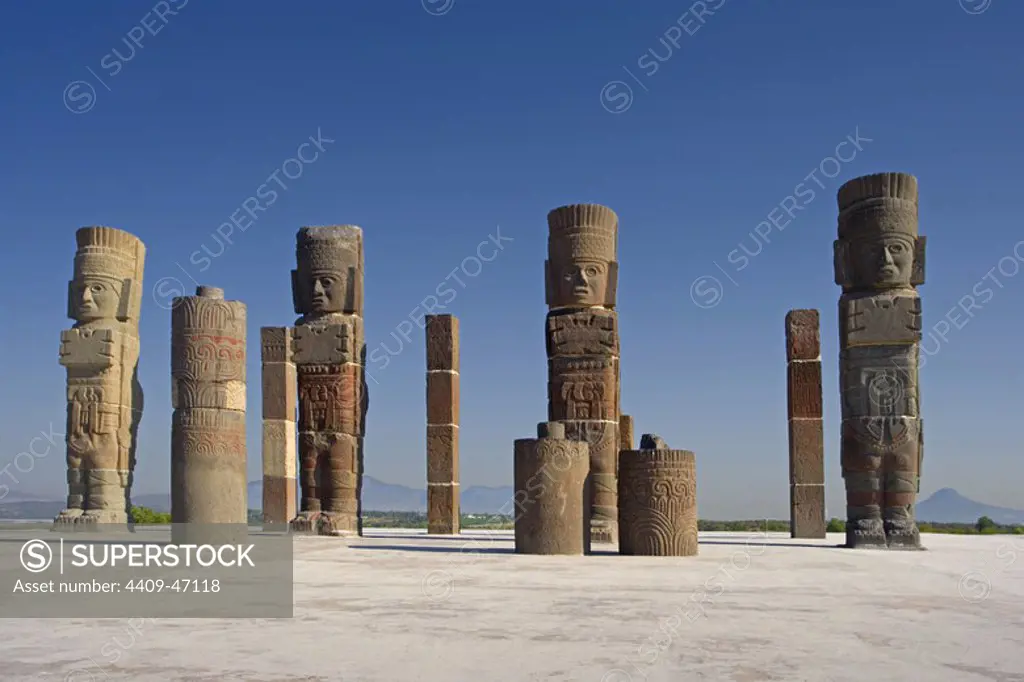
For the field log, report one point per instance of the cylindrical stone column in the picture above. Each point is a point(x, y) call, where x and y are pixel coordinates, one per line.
point(879, 262)
point(442, 334)
point(208, 443)
point(279, 429)
point(582, 339)
point(806, 439)
point(657, 503)
point(552, 497)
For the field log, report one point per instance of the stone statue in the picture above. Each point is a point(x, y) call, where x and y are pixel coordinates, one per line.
point(208, 442)
point(650, 441)
point(329, 353)
point(552, 501)
point(581, 273)
point(879, 262)
point(101, 354)
point(806, 436)
point(442, 337)
point(657, 501)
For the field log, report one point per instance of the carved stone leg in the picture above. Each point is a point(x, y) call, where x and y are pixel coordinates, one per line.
point(900, 489)
point(339, 474)
point(76, 499)
point(105, 499)
point(309, 455)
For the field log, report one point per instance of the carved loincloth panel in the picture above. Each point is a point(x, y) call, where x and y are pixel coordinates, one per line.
point(873, 444)
point(657, 503)
point(587, 332)
point(583, 388)
point(442, 333)
point(330, 398)
point(879, 381)
point(879, 319)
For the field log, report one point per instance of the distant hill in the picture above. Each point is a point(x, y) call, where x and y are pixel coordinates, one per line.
point(945, 506)
point(949, 506)
point(377, 496)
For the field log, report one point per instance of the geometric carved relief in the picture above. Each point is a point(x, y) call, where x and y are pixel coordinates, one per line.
point(658, 503)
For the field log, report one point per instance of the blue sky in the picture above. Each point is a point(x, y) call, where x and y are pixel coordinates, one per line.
point(448, 120)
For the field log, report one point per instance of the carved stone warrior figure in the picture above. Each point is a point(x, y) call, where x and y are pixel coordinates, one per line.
point(329, 352)
point(879, 260)
point(101, 354)
point(583, 345)
point(208, 448)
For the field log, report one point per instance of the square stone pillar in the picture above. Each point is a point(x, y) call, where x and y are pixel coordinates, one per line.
point(442, 335)
point(806, 436)
point(279, 432)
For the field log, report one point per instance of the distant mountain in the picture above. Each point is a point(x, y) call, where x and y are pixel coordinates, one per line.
point(377, 496)
point(949, 506)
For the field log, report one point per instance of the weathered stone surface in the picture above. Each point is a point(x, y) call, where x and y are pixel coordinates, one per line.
point(804, 389)
point(208, 444)
point(100, 353)
point(594, 331)
point(806, 451)
point(807, 511)
point(581, 270)
point(889, 319)
point(625, 432)
point(551, 499)
point(279, 500)
point(329, 351)
point(276, 344)
point(442, 398)
point(280, 391)
point(879, 259)
point(442, 333)
point(657, 503)
point(583, 388)
point(803, 335)
point(442, 453)
point(329, 276)
point(443, 508)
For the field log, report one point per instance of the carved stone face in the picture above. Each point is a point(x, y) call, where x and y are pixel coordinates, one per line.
point(583, 282)
point(327, 292)
point(884, 261)
point(95, 298)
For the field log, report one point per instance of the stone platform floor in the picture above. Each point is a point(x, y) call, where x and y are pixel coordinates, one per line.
point(399, 605)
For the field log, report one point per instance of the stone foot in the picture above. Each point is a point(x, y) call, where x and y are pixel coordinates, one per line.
point(903, 535)
point(67, 519)
point(604, 534)
point(95, 519)
point(337, 525)
point(866, 534)
point(305, 522)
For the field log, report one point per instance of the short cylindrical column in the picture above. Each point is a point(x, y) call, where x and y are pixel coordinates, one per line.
point(208, 444)
point(552, 493)
point(657, 503)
